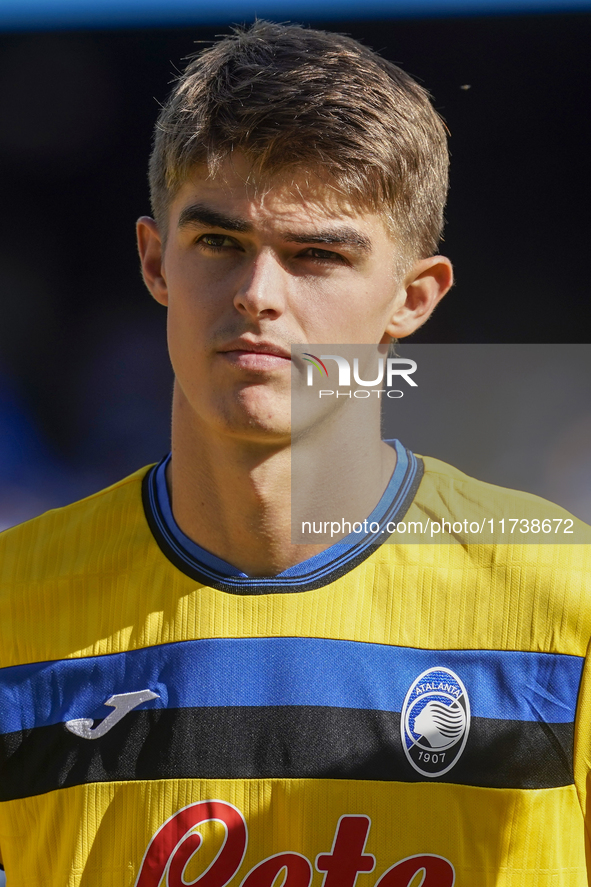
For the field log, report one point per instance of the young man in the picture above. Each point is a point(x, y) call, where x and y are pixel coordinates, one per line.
point(188, 696)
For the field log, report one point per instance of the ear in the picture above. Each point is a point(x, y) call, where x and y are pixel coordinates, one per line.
point(422, 289)
point(149, 243)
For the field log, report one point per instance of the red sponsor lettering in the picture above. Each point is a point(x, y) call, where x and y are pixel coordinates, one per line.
point(180, 859)
point(437, 872)
point(347, 859)
point(175, 842)
point(298, 870)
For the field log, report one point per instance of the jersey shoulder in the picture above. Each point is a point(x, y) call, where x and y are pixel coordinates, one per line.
point(448, 492)
point(61, 539)
point(72, 580)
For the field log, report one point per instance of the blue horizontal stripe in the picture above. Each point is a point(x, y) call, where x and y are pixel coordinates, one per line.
point(286, 671)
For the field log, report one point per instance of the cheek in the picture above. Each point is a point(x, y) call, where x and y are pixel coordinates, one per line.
point(187, 331)
point(196, 283)
point(181, 345)
point(330, 310)
point(362, 313)
point(194, 309)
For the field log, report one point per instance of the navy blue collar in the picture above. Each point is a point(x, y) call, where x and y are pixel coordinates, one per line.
point(314, 572)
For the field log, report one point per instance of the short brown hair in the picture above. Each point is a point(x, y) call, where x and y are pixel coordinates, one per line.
point(292, 97)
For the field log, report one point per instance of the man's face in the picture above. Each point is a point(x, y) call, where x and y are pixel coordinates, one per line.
point(247, 273)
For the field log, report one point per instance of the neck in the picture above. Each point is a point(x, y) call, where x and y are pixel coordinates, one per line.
point(233, 497)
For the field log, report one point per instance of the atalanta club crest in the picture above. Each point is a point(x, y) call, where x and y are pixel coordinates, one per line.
point(435, 721)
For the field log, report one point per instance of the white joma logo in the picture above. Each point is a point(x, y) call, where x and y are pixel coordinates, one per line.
point(121, 702)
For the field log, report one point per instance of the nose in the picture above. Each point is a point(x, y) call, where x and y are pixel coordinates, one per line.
point(262, 290)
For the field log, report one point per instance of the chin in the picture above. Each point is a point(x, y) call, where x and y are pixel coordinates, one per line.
point(258, 419)
point(260, 433)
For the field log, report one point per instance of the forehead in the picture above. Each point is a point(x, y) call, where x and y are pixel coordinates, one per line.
point(275, 201)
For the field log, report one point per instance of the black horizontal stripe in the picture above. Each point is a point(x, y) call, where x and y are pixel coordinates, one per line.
point(280, 742)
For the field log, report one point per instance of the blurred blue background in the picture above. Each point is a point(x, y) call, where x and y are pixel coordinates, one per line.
point(84, 375)
point(112, 13)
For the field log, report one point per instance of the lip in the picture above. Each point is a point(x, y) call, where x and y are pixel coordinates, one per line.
point(248, 346)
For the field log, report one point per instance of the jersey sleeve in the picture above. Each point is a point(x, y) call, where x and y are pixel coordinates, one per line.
point(582, 754)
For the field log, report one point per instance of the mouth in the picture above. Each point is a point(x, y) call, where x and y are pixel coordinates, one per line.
point(255, 355)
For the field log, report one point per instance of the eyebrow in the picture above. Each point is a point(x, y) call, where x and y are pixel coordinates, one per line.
point(203, 216)
point(341, 236)
point(198, 214)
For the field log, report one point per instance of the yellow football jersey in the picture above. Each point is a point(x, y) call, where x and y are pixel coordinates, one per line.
point(404, 714)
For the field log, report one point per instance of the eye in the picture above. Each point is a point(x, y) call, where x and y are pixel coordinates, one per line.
point(217, 242)
point(323, 255)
